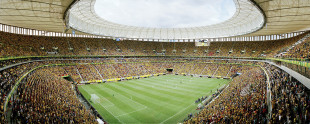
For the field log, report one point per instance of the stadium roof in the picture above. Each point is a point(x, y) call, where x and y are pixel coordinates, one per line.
point(247, 19)
point(46, 15)
point(252, 18)
point(284, 16)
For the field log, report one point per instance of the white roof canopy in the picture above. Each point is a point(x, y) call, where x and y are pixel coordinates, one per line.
point(247, 19)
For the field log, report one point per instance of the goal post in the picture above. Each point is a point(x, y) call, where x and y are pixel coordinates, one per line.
point(94, 98)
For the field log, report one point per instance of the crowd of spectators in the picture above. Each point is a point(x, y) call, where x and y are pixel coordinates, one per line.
point(21, 45)
point(282, 46)
point(4, 63)
point(8, 78)
point(301, 50)
point(290, 98)
point(45, 97)
point(117, 69)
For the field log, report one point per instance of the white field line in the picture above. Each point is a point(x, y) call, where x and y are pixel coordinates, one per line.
point(112, 114)
point(131, 112)
point(108, 110)
point(161, 89)
point(101, 97)
point(106, 100)
point(141, 96)
point(112, 104)
point(168, 87)
point(125, 97)
point(140, 108)
point(116, 116)
point(188, 107)
point(176, 113)
point(179, 88)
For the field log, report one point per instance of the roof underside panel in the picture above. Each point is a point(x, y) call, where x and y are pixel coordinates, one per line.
point(46, 15)
point(284, 16)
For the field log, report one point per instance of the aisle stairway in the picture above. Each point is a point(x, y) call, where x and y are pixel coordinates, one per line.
point(295, 44)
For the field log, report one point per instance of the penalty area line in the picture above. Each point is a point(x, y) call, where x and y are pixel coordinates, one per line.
point(176, 113)
point(132, 112)
point(106, 108)
point(112, 114)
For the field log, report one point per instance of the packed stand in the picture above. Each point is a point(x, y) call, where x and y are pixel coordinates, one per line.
point(45, 97)
point(22, 45)
point(8, 78)
point(290, 98)
point(302, 51)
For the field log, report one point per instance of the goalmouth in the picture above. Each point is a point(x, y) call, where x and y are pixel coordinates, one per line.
point(94, 98)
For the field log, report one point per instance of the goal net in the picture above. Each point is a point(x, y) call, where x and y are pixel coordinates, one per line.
point(94, 98)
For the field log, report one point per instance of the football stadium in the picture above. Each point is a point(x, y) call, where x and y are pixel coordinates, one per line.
point(155, 61)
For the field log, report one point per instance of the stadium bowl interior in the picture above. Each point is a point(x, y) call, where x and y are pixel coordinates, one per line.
point(60, 62)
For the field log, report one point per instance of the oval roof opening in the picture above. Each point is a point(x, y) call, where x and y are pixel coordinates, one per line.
point(165, 13)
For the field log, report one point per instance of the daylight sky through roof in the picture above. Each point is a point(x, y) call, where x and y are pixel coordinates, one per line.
point(165, 13)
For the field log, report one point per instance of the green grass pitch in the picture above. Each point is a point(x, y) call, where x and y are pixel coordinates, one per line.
point(162, 99)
